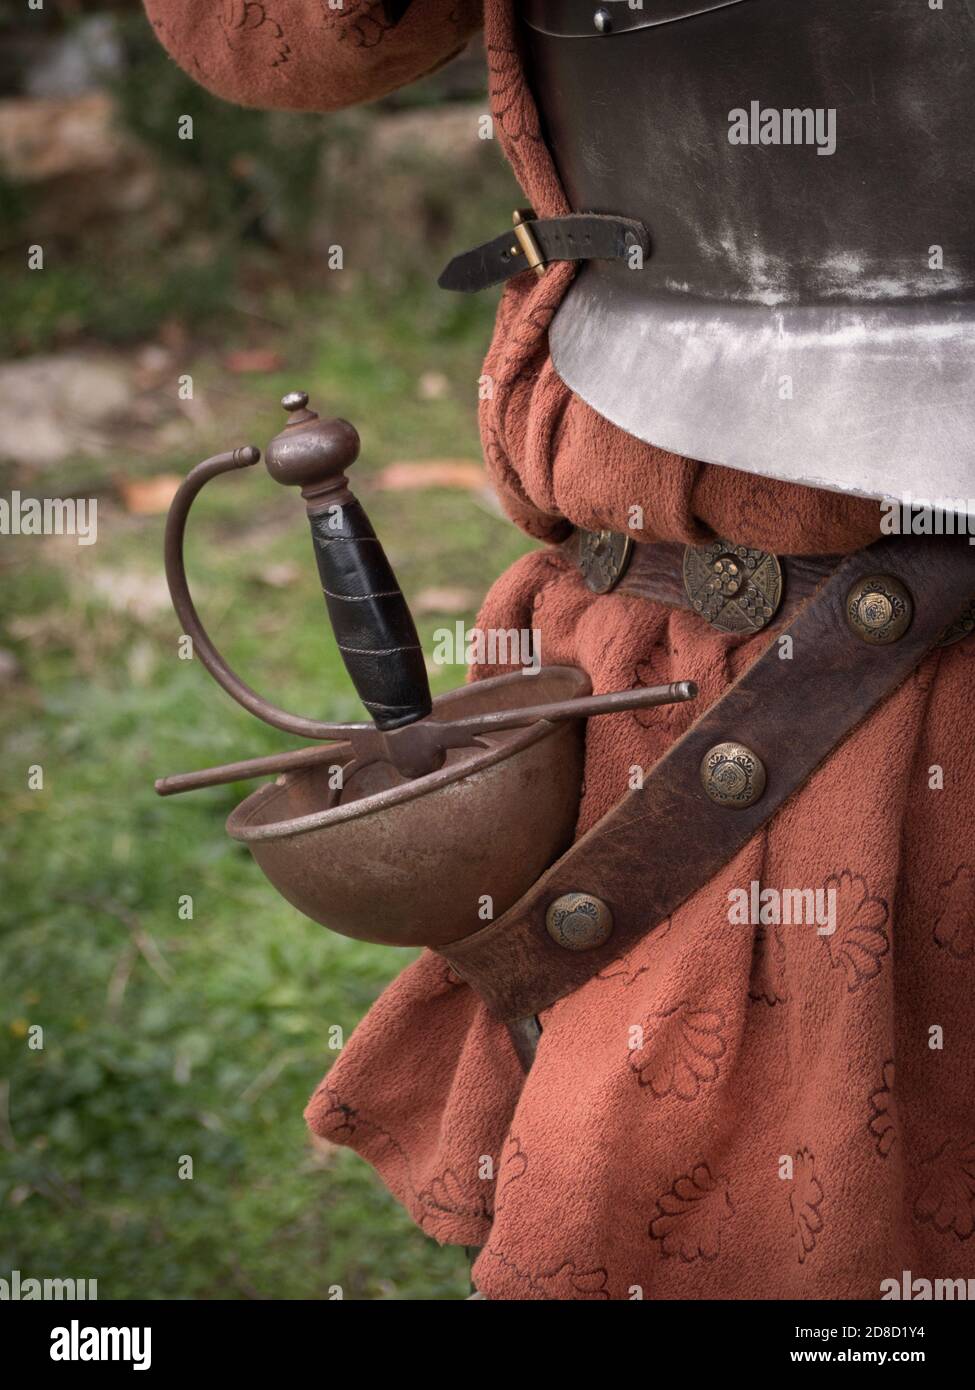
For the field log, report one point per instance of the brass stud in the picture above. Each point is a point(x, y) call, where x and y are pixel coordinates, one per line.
point(733, 775)
point(735, 587)
point(603, 558)
point(578, 921)
point(879, 609)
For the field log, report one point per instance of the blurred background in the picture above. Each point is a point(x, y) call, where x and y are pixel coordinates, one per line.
point(209, 258)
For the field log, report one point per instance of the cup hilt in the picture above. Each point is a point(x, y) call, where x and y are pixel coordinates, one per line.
point(373, 625)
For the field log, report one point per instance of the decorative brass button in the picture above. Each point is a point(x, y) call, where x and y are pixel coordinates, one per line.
point(733, 775)
point(578, 921)
point(879, 609)
point(603, 558)
point(737, 589)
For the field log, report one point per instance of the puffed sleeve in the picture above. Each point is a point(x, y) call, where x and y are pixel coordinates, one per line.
point(313, 55)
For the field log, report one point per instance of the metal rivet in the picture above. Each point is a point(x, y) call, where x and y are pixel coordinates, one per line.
point(578, 921)
point(733, 775)
point(603, 21)
point(879, 609)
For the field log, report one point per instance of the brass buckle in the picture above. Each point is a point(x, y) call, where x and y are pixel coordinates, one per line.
point(527, 245)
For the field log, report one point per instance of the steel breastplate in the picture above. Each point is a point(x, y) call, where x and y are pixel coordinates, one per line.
point(808, 316)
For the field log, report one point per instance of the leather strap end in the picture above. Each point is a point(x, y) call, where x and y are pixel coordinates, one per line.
point(577, 237)
point(483, 266)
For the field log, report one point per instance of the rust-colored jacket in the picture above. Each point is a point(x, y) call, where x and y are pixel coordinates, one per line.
point(799, 1117)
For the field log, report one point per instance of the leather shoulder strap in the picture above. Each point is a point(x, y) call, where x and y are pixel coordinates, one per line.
point(641, 859)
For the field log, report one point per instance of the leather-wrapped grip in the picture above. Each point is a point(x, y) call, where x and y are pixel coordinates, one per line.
point(373, 626)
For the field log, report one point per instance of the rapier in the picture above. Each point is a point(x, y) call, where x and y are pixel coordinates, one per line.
point(711, 363)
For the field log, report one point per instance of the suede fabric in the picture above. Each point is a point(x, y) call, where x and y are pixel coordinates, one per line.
point(729, 1111)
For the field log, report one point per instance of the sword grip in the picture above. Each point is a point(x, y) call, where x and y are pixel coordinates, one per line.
point(372, 623)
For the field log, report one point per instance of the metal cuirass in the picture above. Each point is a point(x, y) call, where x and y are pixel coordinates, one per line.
point(805, 171)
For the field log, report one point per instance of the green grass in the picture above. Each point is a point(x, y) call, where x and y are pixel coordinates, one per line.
point(165, 1037)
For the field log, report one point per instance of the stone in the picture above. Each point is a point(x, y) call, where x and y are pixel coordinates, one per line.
point(53, 407)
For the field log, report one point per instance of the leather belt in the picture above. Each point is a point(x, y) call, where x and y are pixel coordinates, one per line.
point(865, 629)
point(736, 588)
point(534, 242)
